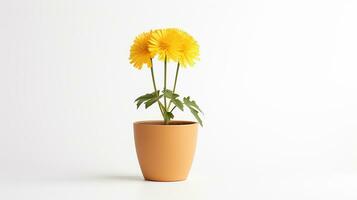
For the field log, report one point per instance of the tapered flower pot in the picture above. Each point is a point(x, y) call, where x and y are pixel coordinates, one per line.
point(165, 152)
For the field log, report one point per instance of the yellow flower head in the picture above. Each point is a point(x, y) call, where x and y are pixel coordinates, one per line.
point(174, 44)
point(139, 51)
point(165, 43)
point(189, 49)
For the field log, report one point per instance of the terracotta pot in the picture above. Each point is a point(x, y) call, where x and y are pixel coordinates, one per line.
point(165, 152)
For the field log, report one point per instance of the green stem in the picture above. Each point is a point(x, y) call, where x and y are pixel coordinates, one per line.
point(154, 83)
point(153, 76)
point(173, 109)
point(165, 75)
point(177, 71)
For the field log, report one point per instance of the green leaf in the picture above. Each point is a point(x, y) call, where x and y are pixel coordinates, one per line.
point(194, 108)
point(178, 103)
point(191, 104)
point(195, 114)
point(139, 103)
point(169, 94)
point(162, 107)
point(173, 98)
point(140, 100)
point(152, 101)
point(145, 97)
point(171, 116)
point(168, 115)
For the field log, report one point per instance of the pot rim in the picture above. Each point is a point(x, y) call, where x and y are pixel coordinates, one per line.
point(160, 123)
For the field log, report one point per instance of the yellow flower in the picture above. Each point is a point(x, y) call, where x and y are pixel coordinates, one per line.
point(165, 43)
point(139, 51)
point(189, 49)
point(172, 43)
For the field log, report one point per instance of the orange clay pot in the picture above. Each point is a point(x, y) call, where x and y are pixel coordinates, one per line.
point(165, 152)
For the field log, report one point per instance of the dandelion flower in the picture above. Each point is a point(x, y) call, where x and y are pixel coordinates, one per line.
point(139, 51)
point(189, 49)
point(165, 43)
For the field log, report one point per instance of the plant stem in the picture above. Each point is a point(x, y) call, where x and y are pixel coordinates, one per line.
point(154, 83)
point(173, 109)
point(165, 75)
point(177, 71)
point(153, 76)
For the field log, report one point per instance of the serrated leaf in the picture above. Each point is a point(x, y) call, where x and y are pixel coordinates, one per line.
point(169, 94)
point(140, 100)
point(178, 103)
point(144, 97)
point(152, 101)
point(139, 103)
point(194, 108)
point(195, 114)
point(147, 96)
point(191, 103)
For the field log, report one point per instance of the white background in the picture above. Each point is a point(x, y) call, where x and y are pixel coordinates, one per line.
point(277, 81)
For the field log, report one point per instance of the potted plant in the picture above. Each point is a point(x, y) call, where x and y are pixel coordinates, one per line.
point(165, 148)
